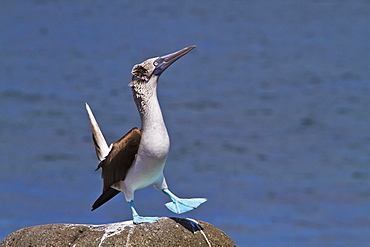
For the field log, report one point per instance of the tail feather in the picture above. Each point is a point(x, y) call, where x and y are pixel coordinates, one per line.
point(106, 196)
point(101, 146)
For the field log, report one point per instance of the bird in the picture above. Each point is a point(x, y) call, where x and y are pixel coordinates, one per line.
point(137, 159)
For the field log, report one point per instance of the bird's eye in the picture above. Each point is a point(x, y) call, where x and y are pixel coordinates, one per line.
point(155, 63)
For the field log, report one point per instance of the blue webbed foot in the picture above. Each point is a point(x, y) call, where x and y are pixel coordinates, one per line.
point(137, 219)
point(179, 205)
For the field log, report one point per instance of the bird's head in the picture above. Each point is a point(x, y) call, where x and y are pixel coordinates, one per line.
point(151, 69)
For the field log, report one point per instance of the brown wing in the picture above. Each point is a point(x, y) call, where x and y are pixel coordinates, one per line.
point(120, 158)
point(117, 163)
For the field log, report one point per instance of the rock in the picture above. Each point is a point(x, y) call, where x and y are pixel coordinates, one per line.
point(165, 232)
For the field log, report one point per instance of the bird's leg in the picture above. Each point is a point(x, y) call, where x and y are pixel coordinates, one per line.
point(137, 219)
point(179, 205)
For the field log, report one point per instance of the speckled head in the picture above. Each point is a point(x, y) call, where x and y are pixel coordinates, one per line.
point(142, 73)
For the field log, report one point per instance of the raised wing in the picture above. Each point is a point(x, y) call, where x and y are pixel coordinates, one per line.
point(101, 146)
point(117, 163)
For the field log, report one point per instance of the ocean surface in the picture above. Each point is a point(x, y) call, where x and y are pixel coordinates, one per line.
point(268, 117)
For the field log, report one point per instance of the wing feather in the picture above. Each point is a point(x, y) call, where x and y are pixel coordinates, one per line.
point(120, 158)
point(117, 163)
point(101, 146)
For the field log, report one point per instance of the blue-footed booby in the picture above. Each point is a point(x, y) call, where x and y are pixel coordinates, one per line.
point(138, 158)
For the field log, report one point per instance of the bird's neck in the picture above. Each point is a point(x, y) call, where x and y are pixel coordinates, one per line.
point(155, 142)
point(149, 110)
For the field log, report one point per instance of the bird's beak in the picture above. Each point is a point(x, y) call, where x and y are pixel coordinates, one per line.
point(165, 61)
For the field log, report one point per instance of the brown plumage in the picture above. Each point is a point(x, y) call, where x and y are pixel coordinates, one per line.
point(117, 163)
point(120, 158)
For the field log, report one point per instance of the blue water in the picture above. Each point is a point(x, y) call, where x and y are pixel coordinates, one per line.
point(268, 116)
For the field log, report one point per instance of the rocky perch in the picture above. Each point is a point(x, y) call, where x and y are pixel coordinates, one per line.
point(165, 232)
